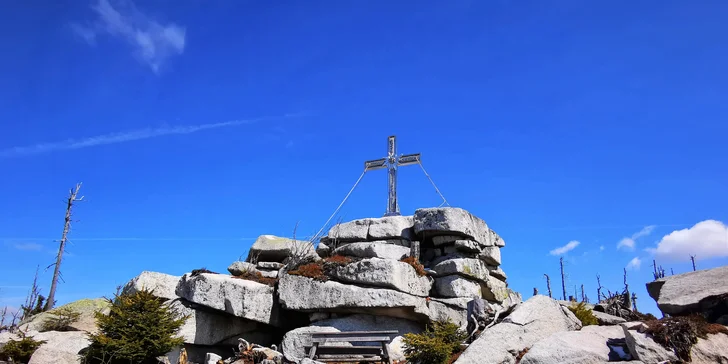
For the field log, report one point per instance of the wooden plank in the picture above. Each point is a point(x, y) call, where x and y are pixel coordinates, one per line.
point(349, 350)
point(312, 352)
point(349, 360)
point(385, 353)
point(385, 332)
point(350, 339)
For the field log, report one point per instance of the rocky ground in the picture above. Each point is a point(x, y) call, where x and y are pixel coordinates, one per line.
point(398, 273)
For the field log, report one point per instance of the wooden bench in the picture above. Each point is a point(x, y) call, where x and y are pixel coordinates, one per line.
point(357, 353)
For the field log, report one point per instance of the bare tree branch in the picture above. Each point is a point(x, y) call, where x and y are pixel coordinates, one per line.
point(72, 197)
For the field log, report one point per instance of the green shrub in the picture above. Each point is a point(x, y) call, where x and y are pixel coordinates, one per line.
point(20, 351)
point(60, 319)
point(436, 345)
point(584, 314)
point(139, 328)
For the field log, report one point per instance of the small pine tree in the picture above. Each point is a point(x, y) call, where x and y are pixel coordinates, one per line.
point(62, 319)
point(434, 346)
point(20, 351)
point(139, 328)
point(584, 314)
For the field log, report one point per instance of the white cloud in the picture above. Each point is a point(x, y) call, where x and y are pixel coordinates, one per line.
point(647, 230)
point(566, 248)
point(122, 137)
point(630, 242)
point(601, 248)
point(627, 243)
point(706, 239)
point(634, 264)
point(152, 43)
point(28, 246)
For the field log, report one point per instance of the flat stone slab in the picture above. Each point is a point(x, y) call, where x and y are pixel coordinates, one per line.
point(467, 267)
point(163, 285)
point(682, 293)
point(391, 227)
point(453, 221)
point(60, 347)
point(534, 320)
point(239, 297)
point(588, 345)
point(375, 249)
point(300, 293)
point(271, 248)
point(206, 326)
point(385, 273)
point(369, 229)
point(456, 286)
point(607, 319)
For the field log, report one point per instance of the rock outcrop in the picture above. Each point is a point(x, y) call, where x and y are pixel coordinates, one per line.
point(239, 297)
point(460, 250)
point(308, 295)
point(86, 308)
point(535, 319)
point(703, 291)
point(385, 273)
point(270, 248)
point(60, 347)
point(589, 345)
point(162, 285)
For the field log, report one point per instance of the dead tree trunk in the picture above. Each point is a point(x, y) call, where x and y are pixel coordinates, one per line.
point(599, 289)
point(692, 259)
point(72, 197)
point(583, 298)
point(548, 284)
point(563, 281)
point(627, 297)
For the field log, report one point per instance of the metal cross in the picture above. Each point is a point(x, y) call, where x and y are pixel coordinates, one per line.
point(392, 163)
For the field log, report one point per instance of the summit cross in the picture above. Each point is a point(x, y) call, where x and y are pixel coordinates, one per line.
point(392, 162)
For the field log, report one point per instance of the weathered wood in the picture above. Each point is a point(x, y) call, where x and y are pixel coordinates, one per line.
point(384, 332)
point(349, 350)
point(349, 360)
point(385, 353)
point(350, 339)
point(340, 353)
point(312, 352)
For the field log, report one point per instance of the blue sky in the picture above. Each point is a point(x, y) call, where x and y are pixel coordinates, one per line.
point(196, 126)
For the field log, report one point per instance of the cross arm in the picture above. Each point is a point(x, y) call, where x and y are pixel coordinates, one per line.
point(408, 159)
point(375, 164)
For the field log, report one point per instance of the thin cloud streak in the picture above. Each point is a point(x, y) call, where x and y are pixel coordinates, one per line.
point(122, 137)
point(565, 249)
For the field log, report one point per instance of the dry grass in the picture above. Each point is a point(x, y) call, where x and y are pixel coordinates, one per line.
point(680, 333)
point(313, 270)
point(415, 263)
point(257, 277)
point(338, 259)
point(521, 354)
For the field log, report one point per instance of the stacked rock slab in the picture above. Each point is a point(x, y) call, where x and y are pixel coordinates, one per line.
point(220, 310)
point(703, 292)
point(463, 255)
point(463, 252)
point(269, 253)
